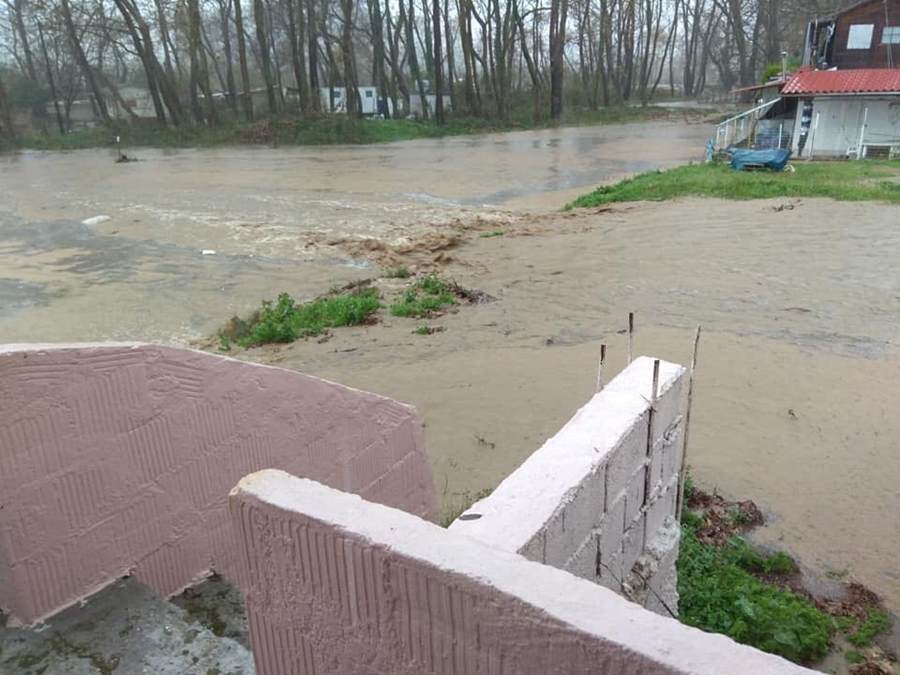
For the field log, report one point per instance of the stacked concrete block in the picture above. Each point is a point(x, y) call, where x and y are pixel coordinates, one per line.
point(598, 499)
point(118, 459)
point(340, 585)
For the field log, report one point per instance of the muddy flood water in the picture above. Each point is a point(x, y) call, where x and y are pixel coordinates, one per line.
point(799, 380)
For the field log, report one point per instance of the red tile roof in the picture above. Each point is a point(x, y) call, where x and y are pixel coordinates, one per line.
point(861, 81)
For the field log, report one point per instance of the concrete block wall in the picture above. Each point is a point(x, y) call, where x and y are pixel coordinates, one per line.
point(598, 499)
point(118, 459)
point(340, 585)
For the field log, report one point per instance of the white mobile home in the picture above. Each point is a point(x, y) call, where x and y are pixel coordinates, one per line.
point(368, 97)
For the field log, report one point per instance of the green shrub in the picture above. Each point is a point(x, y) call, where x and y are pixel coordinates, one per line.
point(398, 273)
point(428, 295)
point(876, 622)
point(718, 595)
point(286, 321)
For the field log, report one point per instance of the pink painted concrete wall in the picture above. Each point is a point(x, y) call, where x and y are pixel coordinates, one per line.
point(118, 459)
point(339, 585)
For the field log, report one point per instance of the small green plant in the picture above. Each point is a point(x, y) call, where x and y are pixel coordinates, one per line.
point(854, 657)
point(428, 295)
point(689, 486)
point(423, 330)
point(285, 320)
point(876, 622)
point(718, 595)
point(489, 235)
point(398, 273)
point(691, 519)
point(738, 517)
point(779, 563)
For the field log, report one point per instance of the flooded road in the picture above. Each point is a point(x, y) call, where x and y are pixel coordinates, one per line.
point(800, 373)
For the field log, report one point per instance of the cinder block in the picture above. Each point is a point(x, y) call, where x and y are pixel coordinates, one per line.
point(628, 455)
point(672, 452)
point(633, 543)
point(584, 563)
point(634, 497)
point(580, 514)
point(611, 533)
point(671, 404)
point(662, 507)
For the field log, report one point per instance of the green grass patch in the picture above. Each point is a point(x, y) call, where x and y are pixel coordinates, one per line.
point(843, 181)
point(489, 235)
point(876, 622)
point(321, 130)
point(424, 298)
point(285, 320)
point(398, 273)
point(854, 657)
point(719, 595)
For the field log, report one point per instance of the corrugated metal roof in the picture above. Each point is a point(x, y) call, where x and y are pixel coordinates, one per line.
point(861, 81)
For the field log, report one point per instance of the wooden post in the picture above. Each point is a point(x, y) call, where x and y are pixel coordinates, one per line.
point(648, 482)
point(630, 337)
point(687, 424)
point(599, 384)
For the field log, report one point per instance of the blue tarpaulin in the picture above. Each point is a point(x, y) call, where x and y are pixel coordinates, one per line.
point(775, 160)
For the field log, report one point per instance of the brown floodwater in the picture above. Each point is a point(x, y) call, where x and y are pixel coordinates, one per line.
point(799, 377)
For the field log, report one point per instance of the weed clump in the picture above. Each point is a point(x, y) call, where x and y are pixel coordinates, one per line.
point(286, 320)
point(398, 273)
point(875, 623)
point(427, 296)
point(719, 594)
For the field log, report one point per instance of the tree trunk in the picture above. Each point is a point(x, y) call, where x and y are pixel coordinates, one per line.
point(224, 11)
point(438, 66)
point(82, 61)
point(246, 95)
point(351, 87)
point(313, 46)
point(558, 15)
point(53, 93)
point(6, 121)
point(265, 54)
point(18, 8)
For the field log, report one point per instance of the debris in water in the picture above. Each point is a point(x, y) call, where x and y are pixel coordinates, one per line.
point(96, 220)
point(207, 251)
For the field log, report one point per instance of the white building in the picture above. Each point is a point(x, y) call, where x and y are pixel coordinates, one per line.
point(368, 97)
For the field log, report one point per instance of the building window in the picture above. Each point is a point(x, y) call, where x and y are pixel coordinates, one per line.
point(368, 93)
point(890, 35)
point(860, 36)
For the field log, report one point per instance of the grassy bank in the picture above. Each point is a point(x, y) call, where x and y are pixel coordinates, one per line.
point(327, 130)
point(844, 181)
point(760, 598)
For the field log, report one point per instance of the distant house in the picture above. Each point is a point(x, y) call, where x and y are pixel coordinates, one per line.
point(845, 99)
point(368, 97)
point(83, 114)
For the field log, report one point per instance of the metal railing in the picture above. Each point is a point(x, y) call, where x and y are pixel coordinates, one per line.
point(741, 128)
